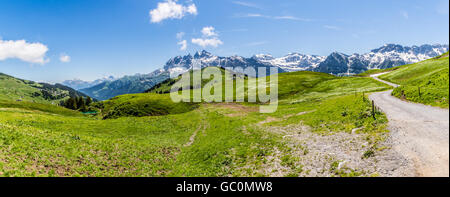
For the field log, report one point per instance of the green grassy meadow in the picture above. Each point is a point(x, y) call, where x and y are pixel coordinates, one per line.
point(182, 139)
point(15, 89)
point(430, 77)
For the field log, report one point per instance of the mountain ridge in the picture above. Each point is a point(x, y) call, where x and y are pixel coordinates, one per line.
point(79, 84)
point(126, 85)
point(336, 63)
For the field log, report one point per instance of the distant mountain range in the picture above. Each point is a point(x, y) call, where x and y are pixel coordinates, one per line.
point(79, 84)
point(126, 85)
point(387, 56)
point(182, 64)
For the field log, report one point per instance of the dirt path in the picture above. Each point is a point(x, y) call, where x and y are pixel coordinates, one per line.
point(418, 132)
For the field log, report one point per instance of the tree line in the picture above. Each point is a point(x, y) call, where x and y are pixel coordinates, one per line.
point(77, 103)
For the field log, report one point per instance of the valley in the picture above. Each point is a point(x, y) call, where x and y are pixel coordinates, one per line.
point(198, 143)
point(224, 97)
point(325, 126)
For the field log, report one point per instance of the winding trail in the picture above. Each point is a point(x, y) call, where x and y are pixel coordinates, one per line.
point(418, 132)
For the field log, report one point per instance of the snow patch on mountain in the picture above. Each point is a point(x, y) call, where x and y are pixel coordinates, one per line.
point(292, 61)
point(401, 55)
point(181, 64)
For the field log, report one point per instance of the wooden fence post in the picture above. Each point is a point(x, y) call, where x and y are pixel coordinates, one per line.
point(420, 95)
point(373, 109)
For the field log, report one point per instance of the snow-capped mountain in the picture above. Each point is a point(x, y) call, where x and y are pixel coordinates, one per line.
point(181, 64)
point(293, 61)
point(79, 84)
point(399, 55)
point(390, 55)
point(387, 56)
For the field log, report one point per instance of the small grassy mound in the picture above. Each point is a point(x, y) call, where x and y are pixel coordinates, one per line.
point(146, 104)
point(430, 77)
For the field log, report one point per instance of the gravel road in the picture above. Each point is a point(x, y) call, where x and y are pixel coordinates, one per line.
point(418, 132)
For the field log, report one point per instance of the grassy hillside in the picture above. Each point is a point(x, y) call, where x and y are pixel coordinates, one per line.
point(294, 88)
point(165, 86)
point(376, 71)
point(305, 84)
point(14, 89)
point(431, 76)
point(138, 105)
point(124, 85)
point(206, 140)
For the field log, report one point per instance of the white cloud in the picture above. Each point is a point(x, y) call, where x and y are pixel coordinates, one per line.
point(252, 15)
point(255, 15)
point(247, 4)
point(209, 38)
point(181, 42)
point(214, 42)
point(64, 58)
point(20, 49)
point(170, 9)
point(331, 27)
point(292, 18)
point(180, 35)
point(405, 14)
point(183, 45)
point(209, 31)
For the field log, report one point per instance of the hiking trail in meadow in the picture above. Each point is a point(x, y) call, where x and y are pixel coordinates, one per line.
point(418, 132)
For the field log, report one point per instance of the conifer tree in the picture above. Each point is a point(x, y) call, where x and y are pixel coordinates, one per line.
point(88, 101)
point(71, 103)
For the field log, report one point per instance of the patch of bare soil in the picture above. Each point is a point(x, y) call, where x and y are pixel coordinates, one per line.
point(337, 154)
point(299, 114)
point(192, 138)
point(238, 109)
point(268, 120)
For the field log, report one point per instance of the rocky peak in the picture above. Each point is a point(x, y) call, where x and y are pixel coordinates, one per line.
point(202, 54)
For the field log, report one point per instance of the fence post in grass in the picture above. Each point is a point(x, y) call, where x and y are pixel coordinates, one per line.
point(420, 95)
point(373, 109)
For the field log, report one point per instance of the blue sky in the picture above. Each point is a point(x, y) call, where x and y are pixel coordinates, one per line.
point(89, 39)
